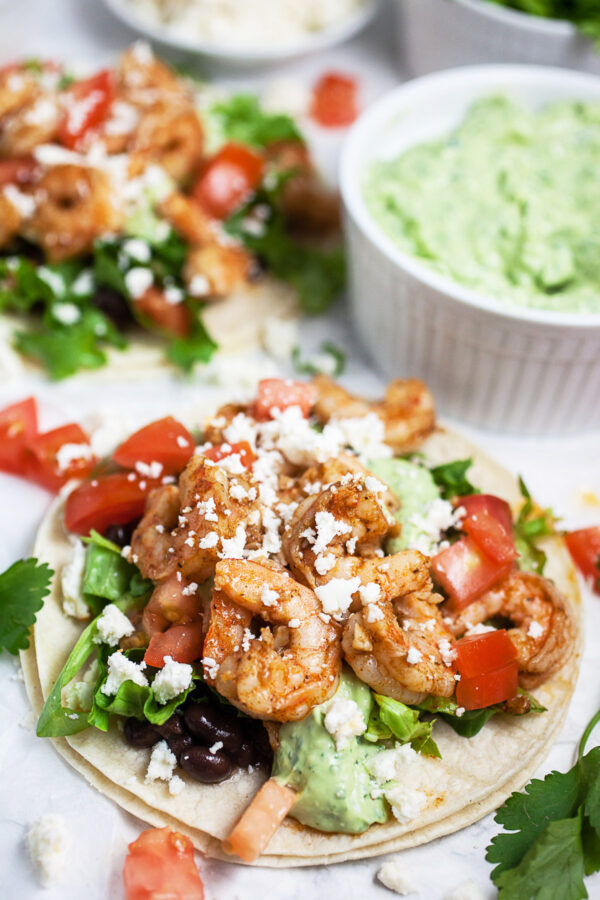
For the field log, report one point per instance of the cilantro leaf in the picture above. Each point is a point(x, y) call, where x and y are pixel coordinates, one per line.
point(242, 120)
point(532, 524)
point(197, 347)
point(23, 587)
point(451, 478)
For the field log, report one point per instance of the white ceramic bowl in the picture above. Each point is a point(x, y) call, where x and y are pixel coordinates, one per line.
point(530, 371)
point(439, 34)
point(242, 56)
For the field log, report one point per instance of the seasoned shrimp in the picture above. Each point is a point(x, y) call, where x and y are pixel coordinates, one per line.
point(144, 81)
point(173, 602)
point(342, 520)
point(280, 673)
point(398, 643)
point(407, 410)
point(171, 138)
point(17, 89)
point(26, 124)
point(151, 541)
point(222, 267)
point(321, 475)
point(542, 632)
point(189, 219)
point(74, 208)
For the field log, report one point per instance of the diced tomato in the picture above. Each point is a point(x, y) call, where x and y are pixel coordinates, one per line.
point(488, 688)
point(160, 863)
point(17, 170)
point(171, 318)
point(260, 820)
point(584, 547)
point(166, 442)
point(183, 643)
point(335, 100)
point(18, 425)
point(243, 448)
point(477, 654)
point(227, 179)
point(281, 393)
point(44, 462)
point(489, 523)
point(87, 105)
point(108, 500)
point(465, 572)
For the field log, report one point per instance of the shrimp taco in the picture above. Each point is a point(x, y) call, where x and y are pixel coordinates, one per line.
point(321, 629)
point(144, 219)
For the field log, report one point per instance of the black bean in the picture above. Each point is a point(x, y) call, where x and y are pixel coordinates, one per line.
point(140, 734)
point(180, 742)
point(120, 534)
point(244, 757)
point(256, 734)
point(209, 725)
point(175, 725)
point(204, 766)
point(114, 306)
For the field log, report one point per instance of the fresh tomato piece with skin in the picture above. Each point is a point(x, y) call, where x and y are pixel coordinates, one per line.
point(56, 456)
point(489, 523)
point(170, 318)
point(165, 441)
point(87, 105)
point(17, 170)
point(183, 643)
point(465, 572)
point(488, 688)
point(107, 500)
point(160, 863)
point(242, 449)
point(477, 654)
point(584, 547)
point(335, 100)
point(18, 426)
point(228, 179)
point(280, 394)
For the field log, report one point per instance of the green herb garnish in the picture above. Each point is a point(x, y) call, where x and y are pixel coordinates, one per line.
point(23, 587)
point(242, 120)
point(451, 478)
point(531, 525)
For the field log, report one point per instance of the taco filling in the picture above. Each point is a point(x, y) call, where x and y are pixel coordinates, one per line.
point(298, 589)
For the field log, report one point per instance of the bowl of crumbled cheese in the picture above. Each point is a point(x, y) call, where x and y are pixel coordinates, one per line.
point(246, 31)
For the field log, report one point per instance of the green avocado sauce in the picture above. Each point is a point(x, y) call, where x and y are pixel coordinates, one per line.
point(508, 204)
point(334, 786)
point(414, 486)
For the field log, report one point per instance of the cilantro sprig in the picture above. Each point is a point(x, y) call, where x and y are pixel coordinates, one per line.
point(451, 478)
point(22, 590)
point(243, 120)
point(532, 524)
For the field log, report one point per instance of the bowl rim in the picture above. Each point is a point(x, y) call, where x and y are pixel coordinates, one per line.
point(520, 19)
point(328, 37)
point(386, 108)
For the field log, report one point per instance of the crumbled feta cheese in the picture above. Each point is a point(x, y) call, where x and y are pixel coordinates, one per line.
point(439, 516)
point(70, 453)
point(218, 745)
point(344, 720)
point(199, 286)
point(47, 842)
point(71, 582)
point(480, 628)
point(171, 680)
point(365, 435)
point(447, 653)
point(373, 613)
point(66, 313)
point(395, 876)
point(269, 597)
point(233, 464)
point(369, 593)
point(112, 625)
point(190, 589)
point(279, 337)
point(327, 528)
point(120, 670)
point(233, 548)
point(23, 203)
point(176, 785)
point(211, 667)
point(535, 630)
point(137, 249)
point(138, 280)
point(393, 771)
point(413, 656)
point(351, 545)
point(149, 470)
point(468, 890)
point(336, 595)
point(210, 540)
point(324, 563)
point(294, 623)
point(162, 763)
point(460, 711)
point(207, 509)
point(173, 295)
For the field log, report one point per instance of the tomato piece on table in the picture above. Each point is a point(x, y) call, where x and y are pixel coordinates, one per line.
point(465, 572)
point(335, 100)
point(477, 654)
point(107, 500)
point(87, 105)
point(170, 318)
point(227, 180)
point(160, 863)
point(183, 643)
point(584, 547)
point(488, 688)
point(280, 394)
point(17, 170)
point(165, 441)
point(242, 448)
point(489, 523)
point(56, 456)
point(18, 425)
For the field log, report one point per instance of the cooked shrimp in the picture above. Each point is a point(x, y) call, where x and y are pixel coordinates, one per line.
point(144, 81)
point(321, 475)
point(173, 602)
point(171, 138)
point(223, 267)
point(283, 672)
point(542, 632)
point(17, 88)
point(343, 520)
point(407, 410)
point(28, 116)
point(189, 219)
point(151, 541)
point(214, 428)
point(74, 208)
point(398, 643)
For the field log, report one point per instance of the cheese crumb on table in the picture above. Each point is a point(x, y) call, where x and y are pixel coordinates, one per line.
point(468, 890)
point(395, 876)
point(47, 842)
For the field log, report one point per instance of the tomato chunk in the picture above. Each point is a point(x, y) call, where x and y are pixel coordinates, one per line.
point(335, 100)
point(108, 500)
point(59, 455)
point(171, 318)
point(489, 523)
point(87, 105)
point(17, 170)
point(18, 425)
point(477, 654)
point(465, 572)
point(183, 643)
point(228, 178)
point(165, 441)
point(488, 688)
point(243, 448)
point(584, 547)
point(160, 863)
point(281, 393)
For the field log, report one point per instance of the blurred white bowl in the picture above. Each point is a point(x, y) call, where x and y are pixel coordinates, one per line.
point(440, 34)
point(245, 56)
point(524, 371)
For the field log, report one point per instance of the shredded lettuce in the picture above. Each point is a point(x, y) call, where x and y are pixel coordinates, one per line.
point(241, 119)
point(393, 719)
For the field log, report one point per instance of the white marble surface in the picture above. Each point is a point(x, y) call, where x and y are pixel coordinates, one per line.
point(34, 779)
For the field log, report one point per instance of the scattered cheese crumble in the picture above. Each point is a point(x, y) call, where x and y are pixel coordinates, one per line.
point(171, 680)
point(112, 625)
point(395, 876)
point(47, 842)
point(344, 720)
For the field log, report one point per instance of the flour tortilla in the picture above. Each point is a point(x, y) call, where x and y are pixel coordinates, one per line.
point(473, 777)
point(235, 323)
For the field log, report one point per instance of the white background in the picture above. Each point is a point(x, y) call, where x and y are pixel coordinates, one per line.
point(34, 780)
